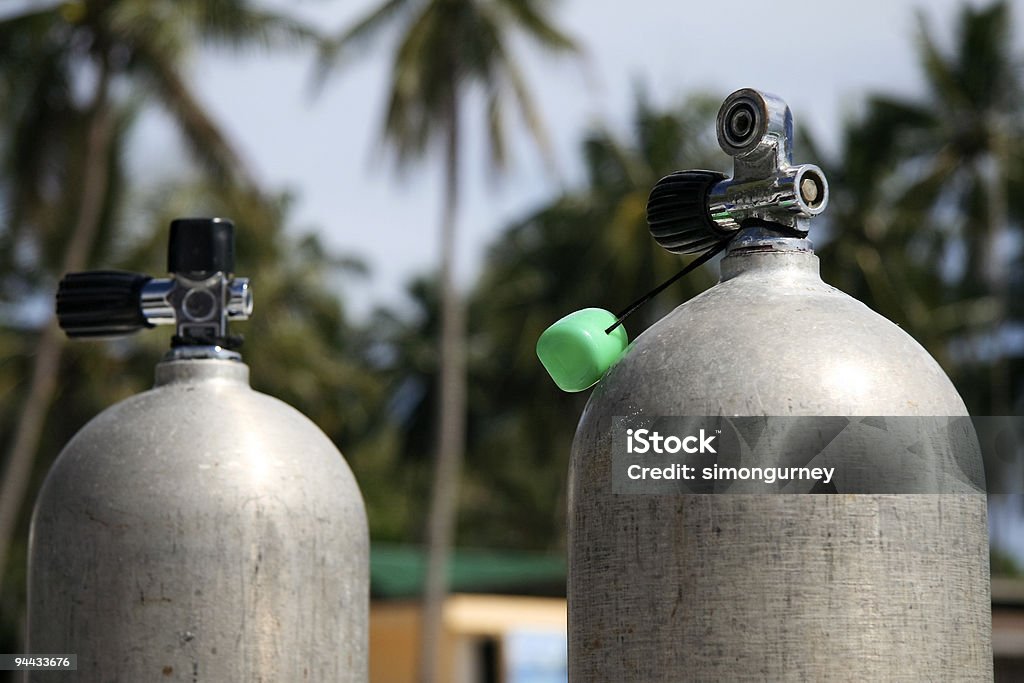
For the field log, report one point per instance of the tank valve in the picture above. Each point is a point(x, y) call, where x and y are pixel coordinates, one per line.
point(200, 297)
point(701, 211)
point(689, 211)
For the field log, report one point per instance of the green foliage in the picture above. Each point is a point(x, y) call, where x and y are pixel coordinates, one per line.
point(926, 216)
point(586, 247)
point(72, 77)
point(1004, 564)
point(445, 49)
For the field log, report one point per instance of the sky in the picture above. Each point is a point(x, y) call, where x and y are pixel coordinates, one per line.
point(325, 149)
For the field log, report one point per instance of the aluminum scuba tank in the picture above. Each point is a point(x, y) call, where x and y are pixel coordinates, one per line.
point(199, 531)
point(714, 587)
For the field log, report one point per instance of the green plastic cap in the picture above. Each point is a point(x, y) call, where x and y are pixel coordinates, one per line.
point(576, 352)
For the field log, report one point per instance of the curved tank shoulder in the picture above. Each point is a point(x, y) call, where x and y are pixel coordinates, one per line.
point(202, 417)
point(202, 507)
point(773, 339)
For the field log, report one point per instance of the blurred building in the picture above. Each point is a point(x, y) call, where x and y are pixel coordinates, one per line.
point(505, 621)
point(1008, 629)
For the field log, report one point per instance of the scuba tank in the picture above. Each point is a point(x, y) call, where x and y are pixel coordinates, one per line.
point(199, 531)
point(716, 587)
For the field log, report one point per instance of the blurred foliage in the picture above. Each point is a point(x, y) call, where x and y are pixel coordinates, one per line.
point(73, 76)
point(587, 247)
point(924, 226)
point(1004, 564)
point(927, 209)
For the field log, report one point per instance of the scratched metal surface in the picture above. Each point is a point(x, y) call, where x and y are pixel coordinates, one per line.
point(201, 531)
point(783, 587)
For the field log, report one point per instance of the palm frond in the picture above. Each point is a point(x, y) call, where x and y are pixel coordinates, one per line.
point(496, 128)
point(239, 25)
point(424, 77)
point(537, 26)
point(940, 74)
point(528, 110)
point(208, 142)
point(983, 66)
point(353, 40)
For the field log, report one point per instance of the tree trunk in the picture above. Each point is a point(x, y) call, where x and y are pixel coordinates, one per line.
point(451, 423)
point(43, 384)
point(1002, 399)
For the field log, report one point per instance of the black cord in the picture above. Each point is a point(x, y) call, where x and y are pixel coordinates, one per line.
point(692, 265)
point(709, 254)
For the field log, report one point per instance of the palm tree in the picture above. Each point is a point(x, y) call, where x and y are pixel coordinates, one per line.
point(448, 49)
point(931, 196)
point(118, 51)
point(588, 247)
